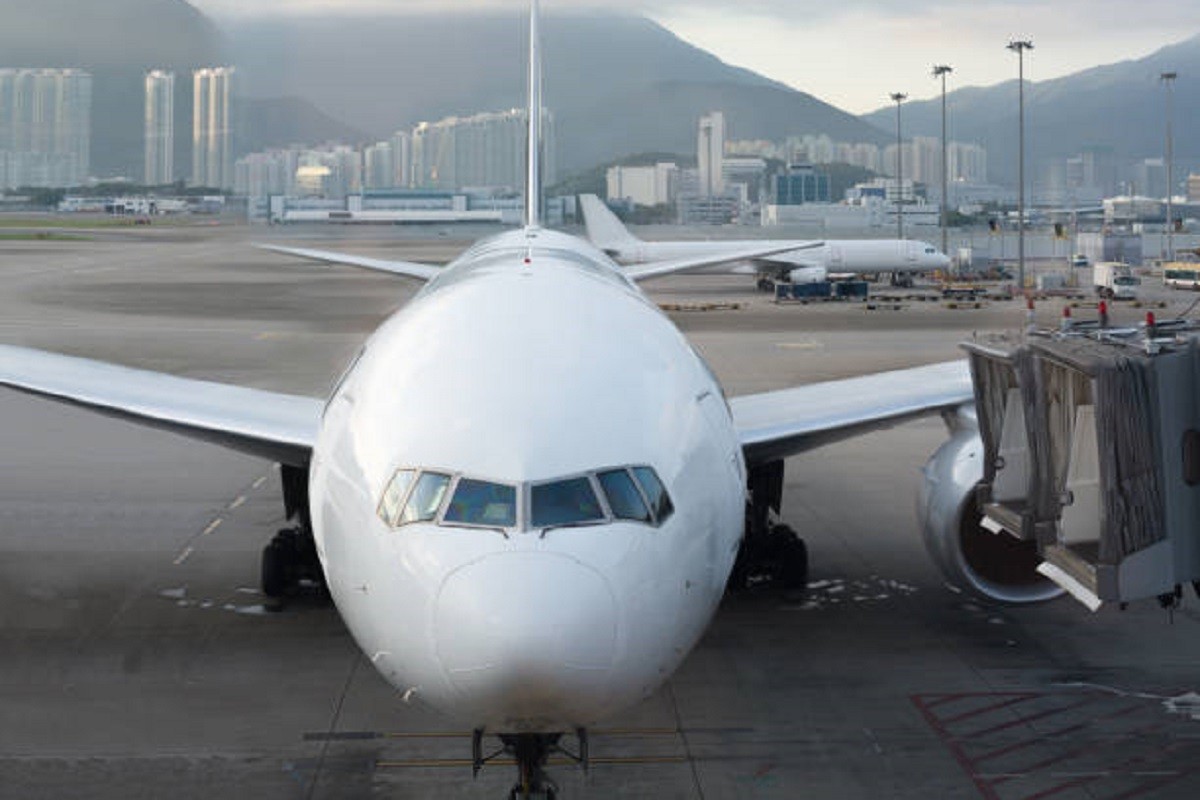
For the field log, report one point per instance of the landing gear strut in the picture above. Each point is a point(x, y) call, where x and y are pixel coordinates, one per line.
point(290, 560)
point(531, 751)
point(771, 551)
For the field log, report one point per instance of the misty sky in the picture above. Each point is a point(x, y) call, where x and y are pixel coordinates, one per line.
point(853, 53)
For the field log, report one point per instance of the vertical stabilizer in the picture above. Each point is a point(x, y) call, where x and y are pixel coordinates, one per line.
point(533, 155)
point(604, 229)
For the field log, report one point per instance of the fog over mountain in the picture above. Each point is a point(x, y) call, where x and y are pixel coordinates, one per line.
point(616, 83)
point(1117, 107)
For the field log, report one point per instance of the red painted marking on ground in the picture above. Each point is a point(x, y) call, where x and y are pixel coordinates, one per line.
point(956, 750)
point(1012, 701)
point(1012, 748)
point(1031, 718)
point(950, 698)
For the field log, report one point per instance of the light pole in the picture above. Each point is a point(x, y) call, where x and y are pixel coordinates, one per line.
point(1019, 47)
point(1168, 78)
point(941, 71)
point(898, 98)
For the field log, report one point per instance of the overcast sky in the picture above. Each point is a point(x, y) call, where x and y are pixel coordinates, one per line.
point(854, 53)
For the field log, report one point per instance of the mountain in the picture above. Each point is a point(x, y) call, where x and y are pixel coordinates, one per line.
point(617, 83)
point(1118, 109)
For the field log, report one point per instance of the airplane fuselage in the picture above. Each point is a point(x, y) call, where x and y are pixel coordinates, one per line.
point(531, 362)
point(859, 256)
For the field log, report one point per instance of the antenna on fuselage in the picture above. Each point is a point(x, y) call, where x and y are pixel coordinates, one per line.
point(533, 154)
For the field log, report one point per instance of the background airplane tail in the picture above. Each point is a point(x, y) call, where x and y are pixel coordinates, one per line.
point(604, 230)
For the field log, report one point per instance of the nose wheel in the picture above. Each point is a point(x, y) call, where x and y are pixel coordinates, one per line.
point(531, 751)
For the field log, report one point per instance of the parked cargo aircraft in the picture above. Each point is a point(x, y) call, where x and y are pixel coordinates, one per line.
point(528, 493)
point(798, 261)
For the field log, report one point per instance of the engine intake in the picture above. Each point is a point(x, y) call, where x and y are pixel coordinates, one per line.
point(995, 566)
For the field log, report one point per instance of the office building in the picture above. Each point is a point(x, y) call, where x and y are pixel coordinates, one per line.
point(160, 128)
point(212, 128)
point(644, 186)
point(45, 127)
point(801, 184)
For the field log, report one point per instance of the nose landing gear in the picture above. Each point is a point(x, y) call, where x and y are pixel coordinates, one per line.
point(532, 752)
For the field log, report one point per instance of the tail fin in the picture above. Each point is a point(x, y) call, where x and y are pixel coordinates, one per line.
point(604, 229)
point(533, 156)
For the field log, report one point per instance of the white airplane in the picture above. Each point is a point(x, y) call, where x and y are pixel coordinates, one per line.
point(798, 261)
point(527, 494)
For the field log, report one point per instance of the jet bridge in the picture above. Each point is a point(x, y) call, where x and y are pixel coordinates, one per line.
point(1091, 442)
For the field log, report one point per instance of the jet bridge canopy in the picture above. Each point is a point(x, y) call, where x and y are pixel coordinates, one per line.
point(1091, 447)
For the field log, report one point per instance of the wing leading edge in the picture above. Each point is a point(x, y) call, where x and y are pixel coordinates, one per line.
point(271, 425)
point(774, 425)
point(409, 269)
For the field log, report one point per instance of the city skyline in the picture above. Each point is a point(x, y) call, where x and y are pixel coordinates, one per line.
point(822, 48)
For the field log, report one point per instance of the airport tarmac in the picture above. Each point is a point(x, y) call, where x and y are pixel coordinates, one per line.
point(137, 658)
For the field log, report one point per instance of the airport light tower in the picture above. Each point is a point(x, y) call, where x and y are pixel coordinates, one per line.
point(941, 71)
point(898, 98)
point(1019, 47)
point(1168, 79)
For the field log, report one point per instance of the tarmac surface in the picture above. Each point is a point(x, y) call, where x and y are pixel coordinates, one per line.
point(137, 658)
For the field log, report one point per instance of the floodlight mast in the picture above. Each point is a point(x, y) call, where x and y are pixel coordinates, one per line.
point(941, 71)
point(1019, 47)
point(1168, 79)
point(898, 98)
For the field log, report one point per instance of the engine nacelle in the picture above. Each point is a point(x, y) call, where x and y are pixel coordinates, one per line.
point(996, 566)
point(808, 275)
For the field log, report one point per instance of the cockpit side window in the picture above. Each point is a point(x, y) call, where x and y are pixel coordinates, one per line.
point(656, 493)
point(393, 495)
point(624, 497)
point(482, 503)
point(568, 502)
point(425, 499)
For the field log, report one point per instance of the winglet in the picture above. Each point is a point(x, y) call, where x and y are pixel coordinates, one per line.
point(533, 156)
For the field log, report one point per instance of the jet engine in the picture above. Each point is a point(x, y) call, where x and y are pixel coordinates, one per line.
point(996, 566)
point(808, 275)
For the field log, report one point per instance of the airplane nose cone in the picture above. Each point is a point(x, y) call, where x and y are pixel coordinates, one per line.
point(526, 636)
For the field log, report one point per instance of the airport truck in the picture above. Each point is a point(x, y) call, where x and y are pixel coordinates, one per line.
point(1115, 280)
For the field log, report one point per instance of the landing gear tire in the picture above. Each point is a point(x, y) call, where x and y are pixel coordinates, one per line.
point(274, 572)
point(290, 564)
point(790, 558)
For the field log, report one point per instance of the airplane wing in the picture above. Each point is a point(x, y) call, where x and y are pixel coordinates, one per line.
point(654, 269)
point(773, 425)
point(409, 269)
point(279, 427)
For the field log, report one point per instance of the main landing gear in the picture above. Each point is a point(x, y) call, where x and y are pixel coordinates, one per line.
point(289, 561)
point(771, 552)
point(531, 751)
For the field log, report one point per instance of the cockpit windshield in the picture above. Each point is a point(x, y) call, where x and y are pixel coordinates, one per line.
point(568, 502)
point(426, 498)
point(478, 502)
point(632, 493)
